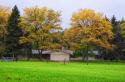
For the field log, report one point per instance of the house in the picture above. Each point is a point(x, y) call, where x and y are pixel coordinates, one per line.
point(62, 55)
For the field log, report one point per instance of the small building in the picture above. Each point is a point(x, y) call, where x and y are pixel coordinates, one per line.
point(63, 55)
point(59, 56)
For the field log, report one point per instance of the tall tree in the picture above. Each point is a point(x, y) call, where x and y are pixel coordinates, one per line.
point(88, 29)
point(122, 33)
point(41, 27)
point(4, 14)
point(14, 32)
point(115, 53)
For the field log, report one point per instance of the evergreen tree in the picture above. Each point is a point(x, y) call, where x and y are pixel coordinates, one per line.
point(14, 32)
point(117, 41)
point(116, 29)
point(115, 24)
point(122, 35)
point(107, 18)
point(115, 54)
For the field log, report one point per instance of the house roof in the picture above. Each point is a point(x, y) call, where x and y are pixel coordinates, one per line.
point(49, 52)
point(68, 52)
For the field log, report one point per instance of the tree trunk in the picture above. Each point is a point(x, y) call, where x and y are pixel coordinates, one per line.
point(87, 59)
point(85, 55)
point(13, 56)
point(16, 58)
point(0, 55)
point(27, 52)
point(30, 52)
point(40, 54)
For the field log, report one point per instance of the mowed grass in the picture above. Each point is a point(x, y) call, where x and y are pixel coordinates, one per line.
point(58, 72)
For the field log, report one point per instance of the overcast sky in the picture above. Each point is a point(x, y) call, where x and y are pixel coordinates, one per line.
point(67, 7)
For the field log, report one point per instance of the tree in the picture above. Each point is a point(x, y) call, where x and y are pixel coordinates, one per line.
point(117, 41)
point(122, 33)
point(14, 32)
point(4, 14)
point(41, 28)
point(116, 29)
point(88, 29)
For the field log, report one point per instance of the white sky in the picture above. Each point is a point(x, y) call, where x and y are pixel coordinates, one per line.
point(67, 7)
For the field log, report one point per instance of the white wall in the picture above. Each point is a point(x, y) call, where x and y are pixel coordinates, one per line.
point(59, 56)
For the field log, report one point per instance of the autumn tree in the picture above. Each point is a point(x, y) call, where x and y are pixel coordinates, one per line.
point(14, 32)
point(4, 14)
point(88, 29)
point(41, 28)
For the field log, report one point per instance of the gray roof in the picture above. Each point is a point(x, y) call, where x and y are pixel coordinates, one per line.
point(49, 52)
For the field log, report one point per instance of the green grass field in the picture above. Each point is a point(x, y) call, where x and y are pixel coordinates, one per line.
point(58, 72)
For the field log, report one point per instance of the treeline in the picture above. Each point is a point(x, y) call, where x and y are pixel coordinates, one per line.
point(40, 29)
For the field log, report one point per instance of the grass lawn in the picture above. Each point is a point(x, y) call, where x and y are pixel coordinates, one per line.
point(58, 72)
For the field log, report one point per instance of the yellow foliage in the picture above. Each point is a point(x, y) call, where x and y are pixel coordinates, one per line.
point(39, 26)
point(89, 27)
point(4, 14)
